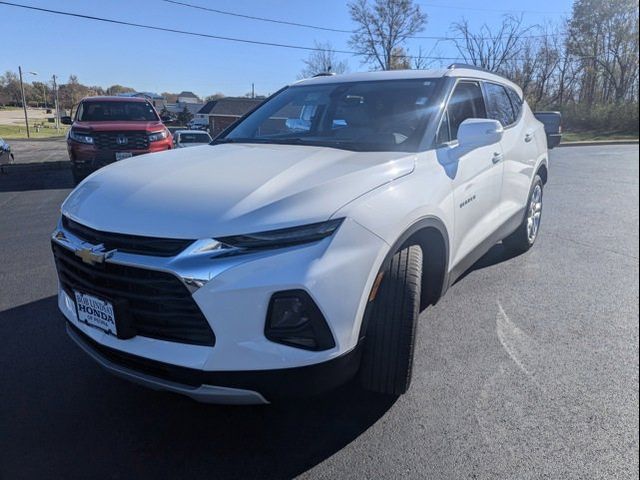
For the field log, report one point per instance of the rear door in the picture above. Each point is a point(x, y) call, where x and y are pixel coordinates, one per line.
point(519, 146)
point(476, 176)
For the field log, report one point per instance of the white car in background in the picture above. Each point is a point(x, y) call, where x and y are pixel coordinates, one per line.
point(296, 252)
point(190, 138)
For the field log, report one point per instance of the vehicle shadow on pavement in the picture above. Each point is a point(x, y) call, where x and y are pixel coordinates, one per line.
point(35, 177)
point(496, 254)
point(63, 417)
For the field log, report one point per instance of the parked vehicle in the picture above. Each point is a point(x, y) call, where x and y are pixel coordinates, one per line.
point(198, 124)
point(6, 156)
point(190, 138)
point(108, 129)
point(290, 257)
point(552, 122)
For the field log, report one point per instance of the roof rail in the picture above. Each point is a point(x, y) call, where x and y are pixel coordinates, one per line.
point(324, 74)
point(453, 66)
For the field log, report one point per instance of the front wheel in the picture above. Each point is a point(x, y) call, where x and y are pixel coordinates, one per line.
point(525, 236)
point(387, 359)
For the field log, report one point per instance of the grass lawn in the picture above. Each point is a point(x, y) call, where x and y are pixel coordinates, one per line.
point(12, 132)
point(593, 136)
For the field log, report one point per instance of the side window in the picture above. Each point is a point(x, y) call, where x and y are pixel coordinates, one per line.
point(516, 102)
point(466, 102)
point(444, 135)
point(498, 104)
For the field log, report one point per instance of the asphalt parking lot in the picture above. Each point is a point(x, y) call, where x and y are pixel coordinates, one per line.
point(528, 368)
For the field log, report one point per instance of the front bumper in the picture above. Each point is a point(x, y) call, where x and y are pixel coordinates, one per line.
point(337, 273)
point(232, 388)
point(87, 158)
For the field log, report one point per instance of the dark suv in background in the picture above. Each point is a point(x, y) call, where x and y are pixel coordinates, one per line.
point(107, 129)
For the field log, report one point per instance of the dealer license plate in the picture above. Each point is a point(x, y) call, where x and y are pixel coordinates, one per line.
point(123, 155)
point(96, 312)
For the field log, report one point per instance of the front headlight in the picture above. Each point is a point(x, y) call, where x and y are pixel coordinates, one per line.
point(283, 237)
point(80, 137)
point(157, 136)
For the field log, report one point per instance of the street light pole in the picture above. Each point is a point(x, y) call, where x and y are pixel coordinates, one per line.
point(55, 99)
point(24, 102)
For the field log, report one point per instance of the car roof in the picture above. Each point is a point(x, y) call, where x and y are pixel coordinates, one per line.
point(461, 71)
point(191, 131)
point(105, 98)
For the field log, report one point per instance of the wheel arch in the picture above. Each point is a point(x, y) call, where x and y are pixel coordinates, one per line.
point(543, 172)
point(430, 234)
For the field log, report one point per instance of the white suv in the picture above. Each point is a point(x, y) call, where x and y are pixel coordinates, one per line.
point(296, 251)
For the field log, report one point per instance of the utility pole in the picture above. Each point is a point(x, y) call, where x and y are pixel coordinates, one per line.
point(55, 100)
point(24, 102)
point(253, 90)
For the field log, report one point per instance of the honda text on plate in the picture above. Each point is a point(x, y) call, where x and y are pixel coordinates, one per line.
point(295, 252)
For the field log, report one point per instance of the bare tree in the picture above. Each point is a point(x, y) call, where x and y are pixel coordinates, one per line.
point(491, 49)
point(603, 36)
point(322, 60)
point(382, 30)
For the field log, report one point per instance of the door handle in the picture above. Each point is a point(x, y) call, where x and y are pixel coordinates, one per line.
point(528, 137)
point(497, 157)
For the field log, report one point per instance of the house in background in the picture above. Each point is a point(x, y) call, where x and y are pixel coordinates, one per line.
point(157, 100)
point(192, 108)
point(188, 97)
point(224, 111)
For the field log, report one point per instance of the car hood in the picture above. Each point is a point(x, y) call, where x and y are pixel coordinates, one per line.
point(211, 191)
point(119, 126)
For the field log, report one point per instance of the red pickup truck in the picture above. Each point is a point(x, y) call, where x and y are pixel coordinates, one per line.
point(107, 129)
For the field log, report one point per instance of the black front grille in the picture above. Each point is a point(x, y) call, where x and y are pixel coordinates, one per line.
point(158, 247)
point(121, 140)
point(159, 304)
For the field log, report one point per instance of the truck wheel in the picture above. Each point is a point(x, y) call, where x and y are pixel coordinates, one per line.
point(525, 236)
point(387, 358)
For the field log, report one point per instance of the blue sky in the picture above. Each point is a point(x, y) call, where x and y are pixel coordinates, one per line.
point(106, 54)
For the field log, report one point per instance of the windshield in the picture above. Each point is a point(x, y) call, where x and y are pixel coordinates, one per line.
point(194, 138)
point(388, 115)
point(96, 111)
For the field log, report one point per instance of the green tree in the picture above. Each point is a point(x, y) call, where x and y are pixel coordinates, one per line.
point(184, 116)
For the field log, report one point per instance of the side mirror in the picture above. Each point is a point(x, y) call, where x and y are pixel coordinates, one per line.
point(479, 132)
point(66, 120)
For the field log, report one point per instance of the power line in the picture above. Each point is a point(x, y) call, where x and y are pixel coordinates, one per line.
point(216, 37)
point(204, 35)
point(328, 29)
point(251, 17)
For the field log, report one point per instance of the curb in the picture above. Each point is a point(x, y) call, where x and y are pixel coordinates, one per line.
point(35, 167)
point(592, 143)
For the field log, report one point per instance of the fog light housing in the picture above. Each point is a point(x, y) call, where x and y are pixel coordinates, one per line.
point(294, 319)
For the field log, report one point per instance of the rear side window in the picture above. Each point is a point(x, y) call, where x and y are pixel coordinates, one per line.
point(499, 105)
point(516, 101)
point(466, 102)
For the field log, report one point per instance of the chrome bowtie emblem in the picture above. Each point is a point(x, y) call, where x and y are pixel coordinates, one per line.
point(93, 255)
point(122, 140)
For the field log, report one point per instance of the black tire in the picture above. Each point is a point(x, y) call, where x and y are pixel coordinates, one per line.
point(387, 357)
point(521, 241)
